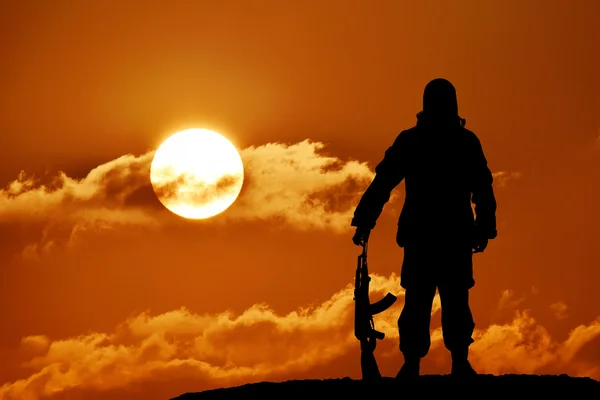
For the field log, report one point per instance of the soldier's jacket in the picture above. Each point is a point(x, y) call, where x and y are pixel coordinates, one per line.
point(445, 172)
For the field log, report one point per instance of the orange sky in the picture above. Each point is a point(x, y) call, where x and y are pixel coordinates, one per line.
point(105, 294)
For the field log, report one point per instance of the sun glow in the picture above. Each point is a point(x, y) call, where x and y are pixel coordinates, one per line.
point(197, 173)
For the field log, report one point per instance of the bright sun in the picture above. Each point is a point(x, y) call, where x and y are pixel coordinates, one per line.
point(197, 173)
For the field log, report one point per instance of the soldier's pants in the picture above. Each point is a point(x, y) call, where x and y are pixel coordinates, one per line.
point(415, 319)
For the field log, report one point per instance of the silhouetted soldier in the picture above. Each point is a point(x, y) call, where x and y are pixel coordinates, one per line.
point(444, 170)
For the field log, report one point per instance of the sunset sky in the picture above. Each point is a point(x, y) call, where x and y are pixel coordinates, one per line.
point(105, 294)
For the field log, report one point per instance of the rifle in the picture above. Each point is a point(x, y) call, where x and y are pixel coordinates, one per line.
point(364, 327)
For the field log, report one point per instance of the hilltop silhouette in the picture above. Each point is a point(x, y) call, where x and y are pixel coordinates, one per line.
point(388, 387)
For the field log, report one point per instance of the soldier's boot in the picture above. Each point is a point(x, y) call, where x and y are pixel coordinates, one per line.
point(461, 367)
point(410, 370)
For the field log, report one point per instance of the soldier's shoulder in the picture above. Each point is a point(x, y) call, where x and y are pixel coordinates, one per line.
point(409, 132)
point(406, 135)
point(470, 135)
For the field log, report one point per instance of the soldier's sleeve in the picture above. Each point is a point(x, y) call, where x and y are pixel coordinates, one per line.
point(388, 174)
point(483, 194)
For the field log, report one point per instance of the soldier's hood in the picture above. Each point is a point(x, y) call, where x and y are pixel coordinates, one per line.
point(439, 99)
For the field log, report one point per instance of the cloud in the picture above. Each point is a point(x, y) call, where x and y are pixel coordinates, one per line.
point(508, 300)
point(223, 349)
point(35, 344)
point(559, 309)
point(63, 208)
point(293, 183)
point(502, 178)
point(259, 344)
point(184, 193)
point(102, 195)
point(524, 346)
point(299, 184)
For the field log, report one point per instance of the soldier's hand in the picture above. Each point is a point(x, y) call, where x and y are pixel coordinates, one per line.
point(368, 345)
point(480, 239)
point(361, 236)
point(480, 245)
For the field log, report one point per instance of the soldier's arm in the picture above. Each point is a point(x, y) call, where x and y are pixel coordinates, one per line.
point(388, 174)
point(483, 194)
